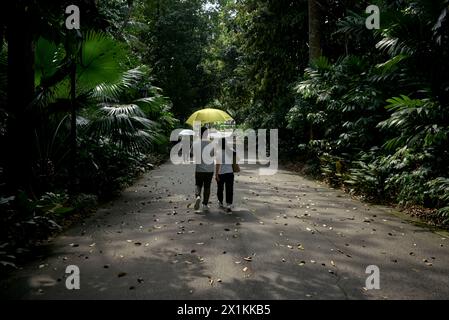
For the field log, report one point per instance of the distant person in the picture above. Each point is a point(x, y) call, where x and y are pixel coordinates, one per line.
point(187, 156)
point(204, 171)
point(226, 165)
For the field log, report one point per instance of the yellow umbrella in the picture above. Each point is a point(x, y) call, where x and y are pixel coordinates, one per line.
point(209, 116)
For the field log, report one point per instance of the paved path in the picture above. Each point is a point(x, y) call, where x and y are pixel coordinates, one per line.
point(303, 240)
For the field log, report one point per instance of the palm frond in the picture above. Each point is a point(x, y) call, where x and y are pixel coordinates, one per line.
point(100, 61)
point(388, 66)
point(125, 125)
point(111, 91)
point(353, 24)
point(48, 58)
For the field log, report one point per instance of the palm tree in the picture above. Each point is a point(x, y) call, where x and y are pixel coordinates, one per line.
point(89, 73)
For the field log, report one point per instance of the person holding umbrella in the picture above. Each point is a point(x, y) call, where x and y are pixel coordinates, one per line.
point(204, 171)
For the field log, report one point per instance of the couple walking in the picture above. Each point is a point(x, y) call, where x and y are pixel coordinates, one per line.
point(224, 164)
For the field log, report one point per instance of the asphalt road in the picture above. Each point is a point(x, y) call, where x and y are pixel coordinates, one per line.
point(289, 238)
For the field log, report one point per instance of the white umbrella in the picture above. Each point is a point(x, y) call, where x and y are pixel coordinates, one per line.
point(187, 132)
point(221, 134)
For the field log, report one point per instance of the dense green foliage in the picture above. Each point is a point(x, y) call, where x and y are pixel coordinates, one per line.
point(385, 115)
point(95, 122)
point(175, 36)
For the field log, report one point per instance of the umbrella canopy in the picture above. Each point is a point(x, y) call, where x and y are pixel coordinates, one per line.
point(220, 134)
point(209, 116)
point(187, 132)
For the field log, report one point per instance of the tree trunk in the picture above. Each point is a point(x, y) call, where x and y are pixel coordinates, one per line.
point(2, 28)
point(314, 30)
point(314, 41)
point(20, 91)
point(73, 134)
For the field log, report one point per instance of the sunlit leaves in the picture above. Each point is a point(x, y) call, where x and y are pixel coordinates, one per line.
point(100, 61)
point(124, 125)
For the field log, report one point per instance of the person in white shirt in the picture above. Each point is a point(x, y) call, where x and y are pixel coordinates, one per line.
point(204, 171)
point(224, 174)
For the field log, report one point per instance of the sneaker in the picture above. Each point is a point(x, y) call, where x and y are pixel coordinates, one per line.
point(197, 203)
point(205, 207)
point(229, 208)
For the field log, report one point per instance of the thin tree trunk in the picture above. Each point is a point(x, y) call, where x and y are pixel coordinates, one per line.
point(314, 41)
point(2, 28)
point(73, 134)
point(314, 30)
